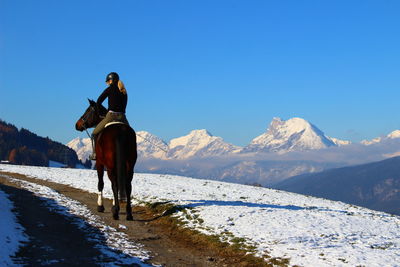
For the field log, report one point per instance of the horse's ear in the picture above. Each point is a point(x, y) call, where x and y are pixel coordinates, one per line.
point(91, 102)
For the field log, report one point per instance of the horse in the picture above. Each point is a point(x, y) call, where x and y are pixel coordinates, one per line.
point(116, 150)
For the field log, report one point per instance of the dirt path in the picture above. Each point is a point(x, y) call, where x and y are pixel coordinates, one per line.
point(57, 240)
point(54, 239)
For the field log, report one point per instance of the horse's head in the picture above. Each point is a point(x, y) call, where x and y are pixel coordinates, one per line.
point(91, 117)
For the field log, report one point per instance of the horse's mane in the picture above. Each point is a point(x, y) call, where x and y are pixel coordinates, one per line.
point(100, 108)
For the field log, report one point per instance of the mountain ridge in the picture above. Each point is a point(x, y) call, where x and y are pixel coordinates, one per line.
point(392, 135)
point(200, 154)
point(373, 185)
point(295, 134)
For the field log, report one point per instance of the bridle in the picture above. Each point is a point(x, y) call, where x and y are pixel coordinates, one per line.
point(85, 117)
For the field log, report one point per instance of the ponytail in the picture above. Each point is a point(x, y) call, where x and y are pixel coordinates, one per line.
point(121, 87)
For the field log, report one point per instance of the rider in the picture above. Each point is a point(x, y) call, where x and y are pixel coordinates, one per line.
point(117, 101)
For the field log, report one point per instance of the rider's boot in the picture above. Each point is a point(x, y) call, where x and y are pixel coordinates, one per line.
point(93, 156)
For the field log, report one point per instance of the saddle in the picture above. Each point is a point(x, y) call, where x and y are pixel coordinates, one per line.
point(113, 123)
point(108, 125)
point(95, 138)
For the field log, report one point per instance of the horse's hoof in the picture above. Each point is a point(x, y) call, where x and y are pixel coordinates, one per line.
point(100, 208)
point(115, 212)
point(129, 217)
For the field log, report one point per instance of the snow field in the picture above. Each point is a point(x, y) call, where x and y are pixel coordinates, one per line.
point(115, 240)
point(309, 231)
point(11, 232)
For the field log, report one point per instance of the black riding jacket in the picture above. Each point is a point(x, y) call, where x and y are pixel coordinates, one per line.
point(116, 100)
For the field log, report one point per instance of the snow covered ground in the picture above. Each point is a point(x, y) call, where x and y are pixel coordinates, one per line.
point(309, 231)
point(115, 241)
point(11, 232)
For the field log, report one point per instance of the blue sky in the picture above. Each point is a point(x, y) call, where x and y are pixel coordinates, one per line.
point(226, 66)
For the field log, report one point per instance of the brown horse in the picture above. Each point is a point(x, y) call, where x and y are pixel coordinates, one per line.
point(117, 151)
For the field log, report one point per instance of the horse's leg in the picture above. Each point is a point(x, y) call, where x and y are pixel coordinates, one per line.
point(100, 186)
point(114, 185)
point(128, 187)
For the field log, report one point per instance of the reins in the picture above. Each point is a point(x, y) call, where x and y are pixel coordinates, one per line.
point(84, 119)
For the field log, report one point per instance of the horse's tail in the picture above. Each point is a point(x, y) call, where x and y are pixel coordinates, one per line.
point(120, 162)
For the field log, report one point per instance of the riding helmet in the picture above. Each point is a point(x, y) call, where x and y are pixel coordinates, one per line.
point(112, 76)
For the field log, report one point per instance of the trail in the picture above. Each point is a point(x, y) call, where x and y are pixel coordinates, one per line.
point(58, 237)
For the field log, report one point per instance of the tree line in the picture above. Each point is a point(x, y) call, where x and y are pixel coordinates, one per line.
point(26, 148)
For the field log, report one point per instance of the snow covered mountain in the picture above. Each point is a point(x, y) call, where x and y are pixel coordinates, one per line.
point(201, 154)
point(199, 143)
point(373, 185)
point(151, 146)
point(295, 134)
point(82, 147)
point(393, 135)
point(148, 146)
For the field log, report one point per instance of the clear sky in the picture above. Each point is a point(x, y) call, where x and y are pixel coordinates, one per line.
point(226, 66)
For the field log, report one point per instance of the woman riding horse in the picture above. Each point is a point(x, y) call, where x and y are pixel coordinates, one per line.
point(117, 101)
point(116, 146)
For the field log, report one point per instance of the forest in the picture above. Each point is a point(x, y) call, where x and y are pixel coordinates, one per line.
point(23, 147)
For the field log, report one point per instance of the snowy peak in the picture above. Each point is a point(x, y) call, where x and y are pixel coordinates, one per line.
point(195, 137)
point(77, 143)
point(295, 134)
point(150, 146)
point(371, 142)
point(199, 143)
point(82, 147)
point(294, 125)
point(393, 135)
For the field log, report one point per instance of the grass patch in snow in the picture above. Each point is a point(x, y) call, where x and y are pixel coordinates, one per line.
point(225, 243)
